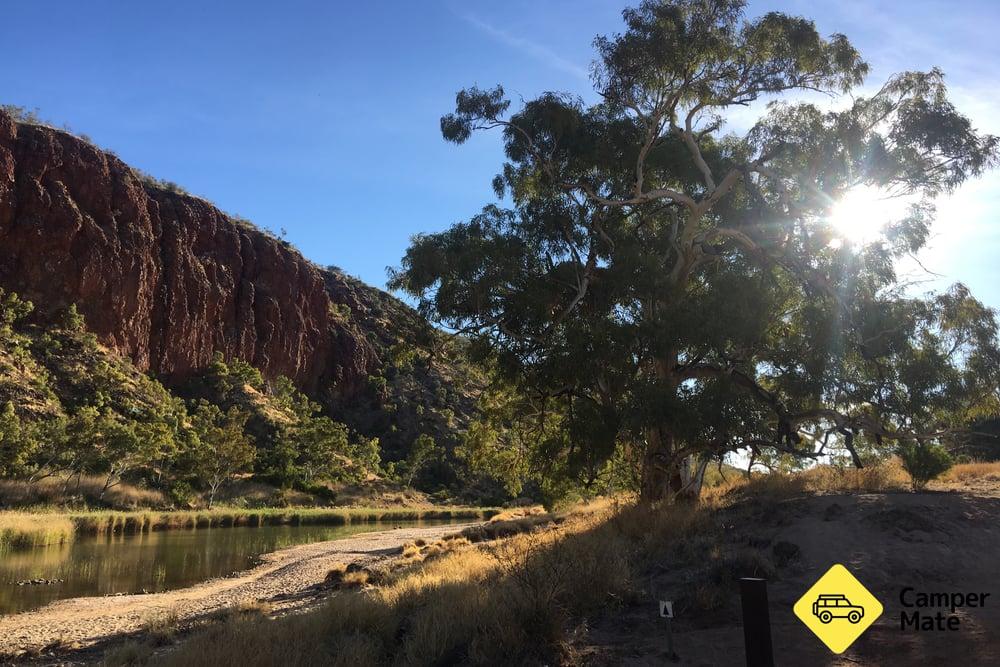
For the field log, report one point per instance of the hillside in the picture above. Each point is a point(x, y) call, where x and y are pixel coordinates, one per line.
point(168, 285)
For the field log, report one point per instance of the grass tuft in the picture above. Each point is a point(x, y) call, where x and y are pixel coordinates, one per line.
point(129, 654)
point(161, 628)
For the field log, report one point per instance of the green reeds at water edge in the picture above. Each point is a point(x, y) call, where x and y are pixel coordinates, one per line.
point(22, 530)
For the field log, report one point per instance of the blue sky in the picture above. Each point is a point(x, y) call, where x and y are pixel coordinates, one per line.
point(321, 118)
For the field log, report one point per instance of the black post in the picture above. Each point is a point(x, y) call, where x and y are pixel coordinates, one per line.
point(756, 622)
point(671, 655)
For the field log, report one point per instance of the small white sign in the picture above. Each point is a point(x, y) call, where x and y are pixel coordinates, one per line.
point(666, 608)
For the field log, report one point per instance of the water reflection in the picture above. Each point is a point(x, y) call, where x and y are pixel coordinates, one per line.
point(150, 562)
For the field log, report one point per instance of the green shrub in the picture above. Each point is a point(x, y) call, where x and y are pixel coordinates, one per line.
point(182, 495)
point(72, 320)
point(924, 462)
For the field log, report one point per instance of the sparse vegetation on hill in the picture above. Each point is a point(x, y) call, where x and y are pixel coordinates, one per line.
point(72, 410)
point(424, 387)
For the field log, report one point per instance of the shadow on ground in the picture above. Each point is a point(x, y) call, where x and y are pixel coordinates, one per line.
point(937, 542)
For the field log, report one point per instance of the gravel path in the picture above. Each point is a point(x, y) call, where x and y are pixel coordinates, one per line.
point(285, 579)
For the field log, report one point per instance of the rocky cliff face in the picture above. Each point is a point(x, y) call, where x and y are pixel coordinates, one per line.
point(164, 278)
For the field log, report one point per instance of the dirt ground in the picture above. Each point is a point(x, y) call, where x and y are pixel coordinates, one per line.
point(286, 580)
point(935, 541)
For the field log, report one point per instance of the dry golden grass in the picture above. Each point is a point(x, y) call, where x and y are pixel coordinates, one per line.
point(969, 472)
point(353, 576)
point(54, 491)
point(519, 513)
point(355, 579)
point(252, 607)
point(19, 530)
point(886, 476)
point(336, 572)
point(877, 478)
point(509, 601)
point(500, 528)
point(129, 654)
point(161, 628)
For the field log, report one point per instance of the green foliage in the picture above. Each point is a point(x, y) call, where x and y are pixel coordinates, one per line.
point(227, 377)
point(222, 449)
point(404, 355)
point(421, 383)
point(924, 462)
point(323, 448)
point(72, 320)
point(379, 386)
point(12, 310)
point(181, 494)
point(307, 446)
point(662, 288)
point(981, 442)
point(423, 453)
point(16, 442)
point(340, 312)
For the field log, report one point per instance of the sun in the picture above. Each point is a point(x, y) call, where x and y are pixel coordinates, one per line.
point(861, 215)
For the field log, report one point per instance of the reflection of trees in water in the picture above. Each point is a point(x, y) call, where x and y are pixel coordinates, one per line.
point(155, 561)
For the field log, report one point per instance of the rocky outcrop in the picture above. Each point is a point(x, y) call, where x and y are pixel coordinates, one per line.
point(164, 278)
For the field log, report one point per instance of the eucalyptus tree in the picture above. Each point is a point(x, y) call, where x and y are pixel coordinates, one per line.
point(653, 282)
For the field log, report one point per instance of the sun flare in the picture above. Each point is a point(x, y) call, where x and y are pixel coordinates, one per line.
point(861, 215)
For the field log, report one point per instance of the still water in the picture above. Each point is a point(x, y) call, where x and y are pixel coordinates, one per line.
point(153, 562)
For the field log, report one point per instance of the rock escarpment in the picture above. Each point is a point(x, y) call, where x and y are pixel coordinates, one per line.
point(165, 278)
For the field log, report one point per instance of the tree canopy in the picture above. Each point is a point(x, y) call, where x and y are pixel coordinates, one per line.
point(653, 287)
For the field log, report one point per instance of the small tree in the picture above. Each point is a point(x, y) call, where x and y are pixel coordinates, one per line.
point(12, 309)
point(423, 451)
point(924, 462)
point(73, 320)
point(16, 442)
point(49, 448)
point(137, 445)
point(226, 377)
point(365, 455)
point(81, 446)
point(321, 444)
point(223, 449)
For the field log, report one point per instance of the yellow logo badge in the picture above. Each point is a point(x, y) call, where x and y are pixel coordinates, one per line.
point(838, 609)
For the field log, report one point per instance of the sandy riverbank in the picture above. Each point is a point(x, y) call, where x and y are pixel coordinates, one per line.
point(286, 580)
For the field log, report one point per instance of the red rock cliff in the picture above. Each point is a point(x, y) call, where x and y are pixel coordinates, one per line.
point(164, 278)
